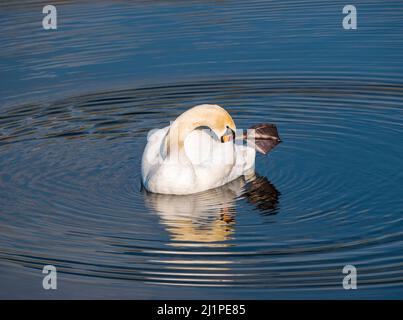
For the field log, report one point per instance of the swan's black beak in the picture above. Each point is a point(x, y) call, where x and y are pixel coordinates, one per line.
point(228, 136)
point(266, 137)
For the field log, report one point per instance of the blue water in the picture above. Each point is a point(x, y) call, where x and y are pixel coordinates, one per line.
point(76, 106)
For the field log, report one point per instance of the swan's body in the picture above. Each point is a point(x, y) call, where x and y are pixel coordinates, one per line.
point(183, 159)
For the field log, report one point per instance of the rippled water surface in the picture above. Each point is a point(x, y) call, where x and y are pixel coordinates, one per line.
point(77, 104)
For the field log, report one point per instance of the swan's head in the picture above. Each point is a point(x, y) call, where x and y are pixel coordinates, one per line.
point(205, 115)
point(212, 116)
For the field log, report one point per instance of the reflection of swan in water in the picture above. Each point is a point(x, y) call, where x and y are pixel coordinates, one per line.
point(210, 216)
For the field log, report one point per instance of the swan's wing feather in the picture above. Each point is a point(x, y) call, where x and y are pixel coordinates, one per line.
point(152, 153)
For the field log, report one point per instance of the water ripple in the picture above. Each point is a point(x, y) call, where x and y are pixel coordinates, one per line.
point(326, 197)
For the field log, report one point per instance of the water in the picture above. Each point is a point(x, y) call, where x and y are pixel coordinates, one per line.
point(77, 104)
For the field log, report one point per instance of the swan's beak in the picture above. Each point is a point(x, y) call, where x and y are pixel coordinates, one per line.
point(227, 136)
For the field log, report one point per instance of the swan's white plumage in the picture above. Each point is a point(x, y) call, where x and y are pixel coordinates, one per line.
point(207, 163)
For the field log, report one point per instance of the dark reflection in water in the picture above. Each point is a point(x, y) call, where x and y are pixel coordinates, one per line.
point(76, 107)
point(262, 194)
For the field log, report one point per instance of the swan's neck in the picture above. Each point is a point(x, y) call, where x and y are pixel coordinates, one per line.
point(211, 116)
point(177, 134)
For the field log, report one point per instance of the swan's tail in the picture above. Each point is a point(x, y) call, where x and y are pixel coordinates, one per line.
point(266, 137)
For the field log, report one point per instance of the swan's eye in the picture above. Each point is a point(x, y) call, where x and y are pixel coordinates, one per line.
point(228, 135)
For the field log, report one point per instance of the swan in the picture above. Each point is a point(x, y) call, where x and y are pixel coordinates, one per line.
point(202, 149)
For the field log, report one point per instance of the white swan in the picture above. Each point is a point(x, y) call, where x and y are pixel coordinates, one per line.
point(183, 159)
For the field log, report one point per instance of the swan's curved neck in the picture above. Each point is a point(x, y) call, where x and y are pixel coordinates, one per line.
point(178, 132)
point(211, 116)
